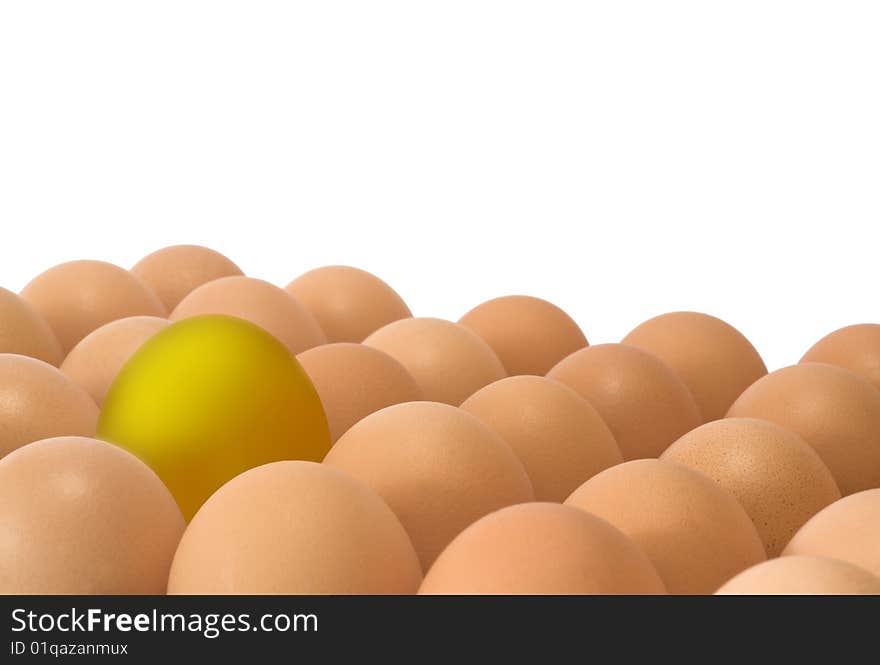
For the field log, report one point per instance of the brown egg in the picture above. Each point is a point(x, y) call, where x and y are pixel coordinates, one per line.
point(696, 533)
point(713, 358)
point(294, 528)
point(94, 363)
point(848, 530)
point(37, 401)
point(802, 575)
point(448, 361)
point(529, 335)
point(354, 381)
point(80, 516)
point(856, 348)
point(557, 435)
point(642, 401)
point(542, 548)
point(23, 331)
point(348, 303)
point(174, 272)
point(834, 410)
point(259, 302)
point(438, 467)
point(78, 297)
point(774, 474)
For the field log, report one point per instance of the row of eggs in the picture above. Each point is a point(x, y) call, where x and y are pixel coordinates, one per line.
point(439, 468)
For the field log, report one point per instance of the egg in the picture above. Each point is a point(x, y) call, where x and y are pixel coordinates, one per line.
point(557, 435)
point(79, 516)
point(774, 474)
point(354, 381)
point(24, 332)
point(848, 530)
point(643, 402)
point(174, 272)
point(208, 398)
point(529, 335)
point(96, 360)
point(802, 575)
point(541, 548)
point(713, 358)
point(349, 304)
point(256, 301)
point(77, 297)
point(37, 402)
point(294, 528)
point(834, 410)
point(696, 533)
point(856, 348)
point(448, 361)
point(438, 467)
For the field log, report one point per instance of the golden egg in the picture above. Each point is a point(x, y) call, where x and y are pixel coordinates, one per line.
point(294, 528)
point(80, 516)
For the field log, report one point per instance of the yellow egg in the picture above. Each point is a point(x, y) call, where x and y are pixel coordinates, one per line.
point(208, 398)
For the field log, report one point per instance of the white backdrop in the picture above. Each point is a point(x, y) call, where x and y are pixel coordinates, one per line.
point(618, 158)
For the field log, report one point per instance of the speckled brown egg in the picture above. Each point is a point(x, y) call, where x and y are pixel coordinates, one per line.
point(713, 358)
point(348, 303)
point(644, 403)
point(774, 474)
point(438, 467)
point(80, 516)
point(802, 575)
point(542, 548)
point(856, 348)
point(696, 533)
point(174, 272)
point(529, 335)
point(557, 435)
point(94, 363)
point(448, 361)
point(78, 297)
point(259, 302)
point(834, 410)
point(37, 401)
point(294, 528)
point(354, 381)
point(848, 530)
point(24, 331)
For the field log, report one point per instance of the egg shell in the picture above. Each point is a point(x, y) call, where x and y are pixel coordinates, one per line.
point(174, 272)
point(348, 303)
point(438, 467)
point(94, 363)
point(80, 516)
point(856, 348)
point(774, 474)
point(78, 297)
point(37, 402)
point(642, 401)
point(542, 548)
point(259, 302)
point(713, 358)
point(23, 330)
point(294, 528)
point(354, 381)
point(848, 530)
point(448, 361)
point(697, 535)
point(802, 575)
point(557, 435)
point(529, 335)
point(835, 411)
point(208, 398)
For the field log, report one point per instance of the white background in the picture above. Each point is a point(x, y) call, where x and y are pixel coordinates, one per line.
point(618, 158)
